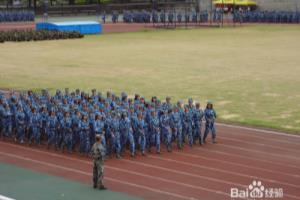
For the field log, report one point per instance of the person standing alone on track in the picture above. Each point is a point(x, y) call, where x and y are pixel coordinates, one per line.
point(98, 154)
point(210, 117)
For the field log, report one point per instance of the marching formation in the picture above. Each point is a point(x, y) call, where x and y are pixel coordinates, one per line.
point(154, 16)
point(268, 17)
point(71, 120)
point(16, 16)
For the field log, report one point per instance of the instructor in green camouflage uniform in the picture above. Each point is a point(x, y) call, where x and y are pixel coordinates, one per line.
point(98, 153)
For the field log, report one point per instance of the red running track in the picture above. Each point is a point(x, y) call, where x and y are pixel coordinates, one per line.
point(207, 172)
point(107, 28)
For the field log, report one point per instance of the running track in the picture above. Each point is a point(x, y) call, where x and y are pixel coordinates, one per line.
point(208, 172)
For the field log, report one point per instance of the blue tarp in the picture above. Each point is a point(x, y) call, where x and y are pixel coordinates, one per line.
point(84, 27)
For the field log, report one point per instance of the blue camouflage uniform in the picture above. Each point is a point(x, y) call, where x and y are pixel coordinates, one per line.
point(20, 125)
point(43, 117)
point(98, 127)
point(76, 119)
point(188, 126)
point(60, 129)
point(127, 134)
point(2, 117)
point(34, 127)
point(67, 137)
point(166, 130)
point(141, 133)
point(210, 116)
point(197, 117)
point(6, 120)
point(155, 130)
point(52, 128)
point(116, 137)
point(85, 144)
point(179, 17)
point(176, 125)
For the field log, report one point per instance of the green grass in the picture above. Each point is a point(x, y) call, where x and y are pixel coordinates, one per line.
point(251, 73)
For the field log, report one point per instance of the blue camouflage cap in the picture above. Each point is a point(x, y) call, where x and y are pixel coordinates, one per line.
point(210, 102)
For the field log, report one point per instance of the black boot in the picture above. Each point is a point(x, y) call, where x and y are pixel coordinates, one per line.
point(102, 187)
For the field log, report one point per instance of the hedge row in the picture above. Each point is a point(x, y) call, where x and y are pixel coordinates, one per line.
point(32, 35)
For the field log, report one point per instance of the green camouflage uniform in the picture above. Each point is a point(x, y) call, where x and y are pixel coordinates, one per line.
point(98, 153)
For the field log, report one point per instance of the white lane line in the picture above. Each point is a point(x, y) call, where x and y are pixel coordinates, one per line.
point(250, 158)
point(150, 189)
point(209, 168)
point(260, 152)
point(292, 150)
point(74, 159)
point(2, 197)
point(224, 171)
point(180, 153)
point(259, 130)
point(262, 138)
point(90, 174)
point(174, 182)
point(242, 165)
point(183, 173)
point(148, 176)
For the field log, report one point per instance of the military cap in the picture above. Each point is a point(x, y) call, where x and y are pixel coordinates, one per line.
point(209, 102)
point(123, 94)
point(98, 136)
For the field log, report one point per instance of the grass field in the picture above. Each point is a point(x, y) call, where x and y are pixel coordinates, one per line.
point(251, 73)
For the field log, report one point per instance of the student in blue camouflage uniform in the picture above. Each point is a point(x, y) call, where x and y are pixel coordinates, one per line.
point(60, 129)
point(179, 17)
point(20, 125)
point(43, 117)
point(162, 17)
point(104, 17)
point(170, 17)
point(76, 120)
point(99, 128)
point(155, 130)
point(188, 125)
point(2, 116)
point(197, 117)
point(85, 145)
point(91, 119)
point(52, 126)
point(126, 134)
point(67, 137)
point(7, 121)
point(115, 133)
point(176, 125)
point(166, 130)
point(210, 117)
point(34, 127)
point(141, 133)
